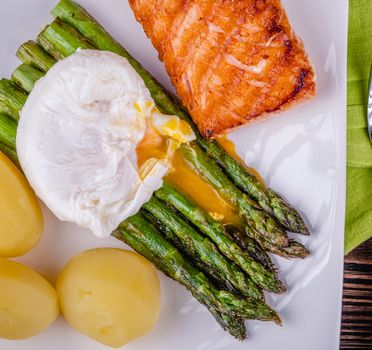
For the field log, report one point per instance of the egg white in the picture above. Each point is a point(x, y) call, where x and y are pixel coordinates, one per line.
point(77, 139)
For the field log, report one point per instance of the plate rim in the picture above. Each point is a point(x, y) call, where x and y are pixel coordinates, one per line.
point(340, 206)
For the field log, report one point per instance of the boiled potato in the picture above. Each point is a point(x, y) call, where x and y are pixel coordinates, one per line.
point(28, 303)
point(21, 221)
point(111, 295)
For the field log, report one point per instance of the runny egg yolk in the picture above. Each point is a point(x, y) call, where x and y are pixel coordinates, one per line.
point(205, 196)
point(184, 178)
point(153, 145)
point(229, 147)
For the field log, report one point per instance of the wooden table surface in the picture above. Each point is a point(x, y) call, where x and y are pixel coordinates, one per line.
point(356, 327)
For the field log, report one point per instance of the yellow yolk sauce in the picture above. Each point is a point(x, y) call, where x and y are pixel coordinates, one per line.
point(152, 145)
point(184, 178)
point(229, 147)
point(204, 195)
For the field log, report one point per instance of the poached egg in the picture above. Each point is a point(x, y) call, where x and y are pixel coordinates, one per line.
point(92, 143)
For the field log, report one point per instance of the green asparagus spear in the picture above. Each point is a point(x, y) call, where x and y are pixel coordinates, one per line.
point(234, 325)
point(249, 245)
point(220, 282)
point(206, 251)
point(286, 214)
point(8, 131)
point(12, 98)
point(61, 40)
point(137, 229)
point(33, 54)
point(72, 13)
point(210, 227)
point(245, 239)
point(75, 15)
point(258, 220)
point(293, 250)
point(269, 200)
point(25, 76)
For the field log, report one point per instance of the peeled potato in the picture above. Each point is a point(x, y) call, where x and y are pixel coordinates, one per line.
point(21, 221)
point(111, 295)
point(28, 303)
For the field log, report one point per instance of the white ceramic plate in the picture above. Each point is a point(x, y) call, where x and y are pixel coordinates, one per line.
point(301, 154)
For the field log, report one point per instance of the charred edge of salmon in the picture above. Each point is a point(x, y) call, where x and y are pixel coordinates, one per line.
point(301, 86)
point(301, 82)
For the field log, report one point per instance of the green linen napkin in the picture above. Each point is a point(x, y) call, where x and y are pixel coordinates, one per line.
point(358, 226)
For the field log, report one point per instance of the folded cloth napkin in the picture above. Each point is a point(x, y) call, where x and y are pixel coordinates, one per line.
point(358, 227)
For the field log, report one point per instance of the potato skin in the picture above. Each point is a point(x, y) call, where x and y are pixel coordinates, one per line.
point(110, 295)
point(28, 303)
point(21, 220)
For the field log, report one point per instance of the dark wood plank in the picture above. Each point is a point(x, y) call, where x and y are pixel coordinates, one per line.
point(356, 327)
point(361, 253)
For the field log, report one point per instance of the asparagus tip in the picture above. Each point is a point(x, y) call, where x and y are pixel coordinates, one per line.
point(280, 287)
point(277, 320)
point(283, 241)
point(305, 231)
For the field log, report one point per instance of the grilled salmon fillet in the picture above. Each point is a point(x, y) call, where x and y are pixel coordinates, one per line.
point(231, 61)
